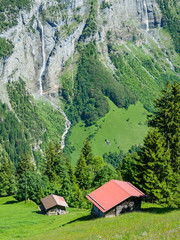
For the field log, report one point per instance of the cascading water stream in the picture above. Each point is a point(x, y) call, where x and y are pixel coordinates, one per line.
point(42, 51)
point(67, 122)
point(58, 108)
point(146, 15)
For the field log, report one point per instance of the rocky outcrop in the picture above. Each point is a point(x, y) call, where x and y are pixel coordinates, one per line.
point(61, 30)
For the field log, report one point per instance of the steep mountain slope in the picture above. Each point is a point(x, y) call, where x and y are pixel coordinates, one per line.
point(82, 52)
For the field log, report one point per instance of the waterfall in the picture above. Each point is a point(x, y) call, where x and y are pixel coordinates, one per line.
point(67, 122)
point(72, 59)
point(42, 51)
point(146, 15)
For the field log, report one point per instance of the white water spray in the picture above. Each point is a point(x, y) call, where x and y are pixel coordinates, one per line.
point(67, 123)
point(42, 51)
point(72, 59)
point(146, 15)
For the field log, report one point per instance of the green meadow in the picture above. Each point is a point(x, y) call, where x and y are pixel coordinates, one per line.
point(22, 221)
point(118, 130)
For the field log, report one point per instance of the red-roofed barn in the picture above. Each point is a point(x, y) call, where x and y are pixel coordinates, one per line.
point(115, 197)
point(53, 205)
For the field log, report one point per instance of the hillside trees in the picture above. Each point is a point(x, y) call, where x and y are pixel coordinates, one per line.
point(167, 119)
point(154, 173)
point(93, 84)
point(7, 175)
point(156, 168)
point(57, 171)
point(170, 10)
point(13, 137)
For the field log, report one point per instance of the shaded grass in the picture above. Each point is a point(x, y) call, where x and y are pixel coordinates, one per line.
point(20, 221)
point(122, 128)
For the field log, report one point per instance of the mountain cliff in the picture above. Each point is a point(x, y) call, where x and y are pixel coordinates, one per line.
point(83, 52)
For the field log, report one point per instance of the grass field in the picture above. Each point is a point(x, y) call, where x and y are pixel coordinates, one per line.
point(21, 221)
point(122, 128)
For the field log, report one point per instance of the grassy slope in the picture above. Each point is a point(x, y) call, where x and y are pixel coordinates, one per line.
point(122, 128)
point(146, 84)
point(20, 221)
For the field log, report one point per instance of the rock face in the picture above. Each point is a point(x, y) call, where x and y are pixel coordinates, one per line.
point(46, 36)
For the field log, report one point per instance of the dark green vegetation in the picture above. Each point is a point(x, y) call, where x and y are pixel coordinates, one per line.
point(140, 72)
point(21, 221)
point(90, 27)
point(93, 83)
point(33, 126)
point(155, 167)
point(13, 137)
point(6, 48)
point(118, 130)
point(9, 11)
point(171, 14)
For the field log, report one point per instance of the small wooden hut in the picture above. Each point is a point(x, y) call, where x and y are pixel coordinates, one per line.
point(53, 205)
point(115, 197)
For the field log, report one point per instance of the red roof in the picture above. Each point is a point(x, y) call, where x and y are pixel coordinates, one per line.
point(52, 201)
point(112, 193)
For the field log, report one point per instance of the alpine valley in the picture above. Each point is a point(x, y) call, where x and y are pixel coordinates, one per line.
point(89, 119)
point(72, 70)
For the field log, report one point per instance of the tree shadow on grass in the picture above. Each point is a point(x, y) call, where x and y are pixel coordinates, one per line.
point(84, 218)
point(10, 202)
point(38, 212)
point(156, 210)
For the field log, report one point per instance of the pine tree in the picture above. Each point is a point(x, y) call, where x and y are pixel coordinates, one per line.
point(25, 164)
point(77, 199)
point(70, 171)
point(153, 171)
point(167, 119)
point(87, 152)
point(52, 153)
point(81, 172)
point(7, 178)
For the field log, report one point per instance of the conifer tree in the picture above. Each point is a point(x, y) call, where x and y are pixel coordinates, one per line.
point(167, 119)
point(87, 152)
point(70, 171)
point(77, 199)
point(81, 172)
point(7, 178)
point(25, 164)
point(52, 153)
point(154, 173)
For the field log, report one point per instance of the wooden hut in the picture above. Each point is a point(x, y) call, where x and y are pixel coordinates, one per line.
point(115, 197)
point(53, 205)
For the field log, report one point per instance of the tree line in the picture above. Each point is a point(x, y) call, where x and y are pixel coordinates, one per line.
point(153, 168)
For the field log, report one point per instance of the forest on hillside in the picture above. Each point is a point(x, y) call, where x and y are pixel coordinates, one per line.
point(154, 167)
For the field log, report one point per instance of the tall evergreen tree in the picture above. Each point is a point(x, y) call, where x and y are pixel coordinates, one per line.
point(7, 178)
point(52, 153)
point(32, 186)
point(57, 171)
point(25, 164)
point(154, 173)
point(167, 119)
point(81, 172)
point(87, 152)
